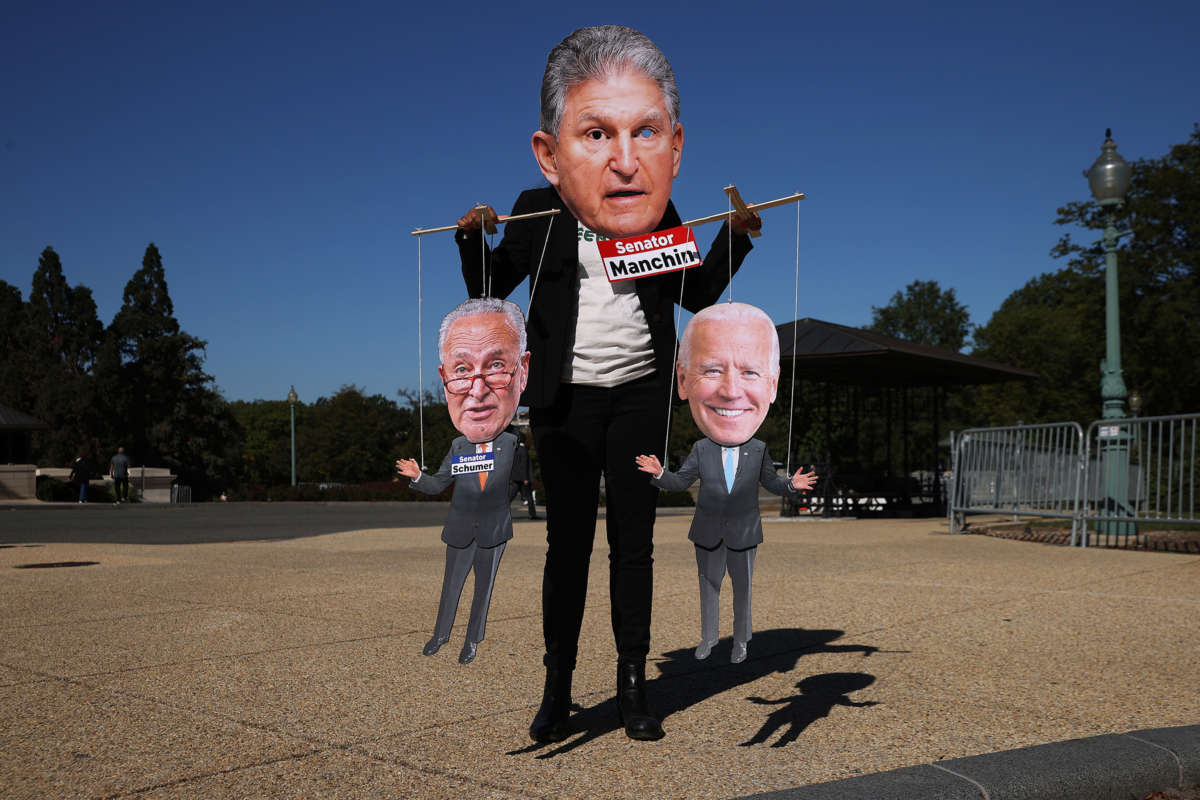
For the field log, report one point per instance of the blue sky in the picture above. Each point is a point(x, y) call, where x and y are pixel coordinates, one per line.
point(280, 154)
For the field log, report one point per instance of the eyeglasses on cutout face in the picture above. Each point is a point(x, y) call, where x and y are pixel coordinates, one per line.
point(494, 380)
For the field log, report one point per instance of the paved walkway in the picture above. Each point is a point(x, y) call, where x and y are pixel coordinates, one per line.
point(263, 651)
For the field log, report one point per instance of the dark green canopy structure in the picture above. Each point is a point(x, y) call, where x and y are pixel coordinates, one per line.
point(826, 351)
point(879, 403)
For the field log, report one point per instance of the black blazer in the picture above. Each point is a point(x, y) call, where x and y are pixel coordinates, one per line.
point(555, 299)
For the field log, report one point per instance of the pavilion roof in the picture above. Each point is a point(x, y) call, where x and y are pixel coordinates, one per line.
point(826, 351)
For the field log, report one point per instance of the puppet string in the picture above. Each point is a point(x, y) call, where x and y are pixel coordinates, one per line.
point(420, 364)
point(491, 275)
point(795, 313)
point(483, 281)
point(674, 362)
point(538, 271)
point(729, 242)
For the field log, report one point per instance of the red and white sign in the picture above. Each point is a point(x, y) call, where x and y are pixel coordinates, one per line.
point(649, 254)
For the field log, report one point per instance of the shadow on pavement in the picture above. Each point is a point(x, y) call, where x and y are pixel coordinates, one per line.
point(818, 695)
point(683, 682)
point(205, 522)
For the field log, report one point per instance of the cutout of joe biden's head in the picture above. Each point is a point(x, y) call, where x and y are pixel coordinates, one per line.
point(728, 370)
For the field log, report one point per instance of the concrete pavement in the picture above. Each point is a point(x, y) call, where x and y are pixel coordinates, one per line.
point(274, 650)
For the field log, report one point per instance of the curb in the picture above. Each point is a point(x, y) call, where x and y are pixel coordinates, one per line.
point(1109, 767)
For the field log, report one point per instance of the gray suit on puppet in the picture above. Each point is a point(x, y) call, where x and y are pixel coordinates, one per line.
point(484, 369)
point(728, 372)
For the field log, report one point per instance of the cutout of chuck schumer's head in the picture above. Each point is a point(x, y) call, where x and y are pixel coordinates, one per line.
point(728, 370)
point(484, 365)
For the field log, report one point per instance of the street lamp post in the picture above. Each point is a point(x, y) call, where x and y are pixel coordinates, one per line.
point(1108, 178)
point(293, 398)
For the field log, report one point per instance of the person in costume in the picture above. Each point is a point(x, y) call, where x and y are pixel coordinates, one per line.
point(484, 368)
point(728, 372)
point(609, 144)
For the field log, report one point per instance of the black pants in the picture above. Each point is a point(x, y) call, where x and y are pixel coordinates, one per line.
point(121, 488)
point(589, 431)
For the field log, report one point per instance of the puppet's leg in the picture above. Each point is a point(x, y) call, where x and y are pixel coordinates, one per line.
point(487, 561)
point(710, 564)
point(741, 575)
point(458, 564)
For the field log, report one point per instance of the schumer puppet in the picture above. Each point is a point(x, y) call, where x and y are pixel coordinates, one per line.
point(484, 369)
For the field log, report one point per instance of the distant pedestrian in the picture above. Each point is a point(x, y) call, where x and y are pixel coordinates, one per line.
point(522, 475)
point(118, 468)
point(81, 473)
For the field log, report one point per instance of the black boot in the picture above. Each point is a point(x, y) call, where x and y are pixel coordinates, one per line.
point(550, 724)
point(635, 713)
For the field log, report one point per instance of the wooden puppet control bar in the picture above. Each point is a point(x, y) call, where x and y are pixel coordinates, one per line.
point(500, 220)
point(791, 198)
point(740, 208)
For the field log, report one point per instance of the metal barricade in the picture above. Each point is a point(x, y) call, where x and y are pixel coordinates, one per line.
point(1034, 470)
point(1141, 470)
point(181, 494)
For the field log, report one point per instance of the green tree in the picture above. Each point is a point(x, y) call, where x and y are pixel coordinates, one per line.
point(154, 361)
point(924, 314)
point(350, 437)
point(15, 362)
point(63, 335)
point(152, 376)
point(264, 430)
point(1050, 325)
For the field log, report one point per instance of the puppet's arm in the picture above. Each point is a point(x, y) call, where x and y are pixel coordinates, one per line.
point(778, 484)
point(427, 484)
point(846, 701)
point(672, 481)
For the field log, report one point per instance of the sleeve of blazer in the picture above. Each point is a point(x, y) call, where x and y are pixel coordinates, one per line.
point(685, 477)
point(436, 483)
point(704, 284)
point(770, 481)
point(509, 262)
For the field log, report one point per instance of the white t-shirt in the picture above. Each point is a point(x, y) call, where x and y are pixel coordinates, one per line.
point(611, 343)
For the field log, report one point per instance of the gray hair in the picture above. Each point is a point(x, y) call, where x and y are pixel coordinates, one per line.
point(484, 305)
point(594, 54)
point(730, 312)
